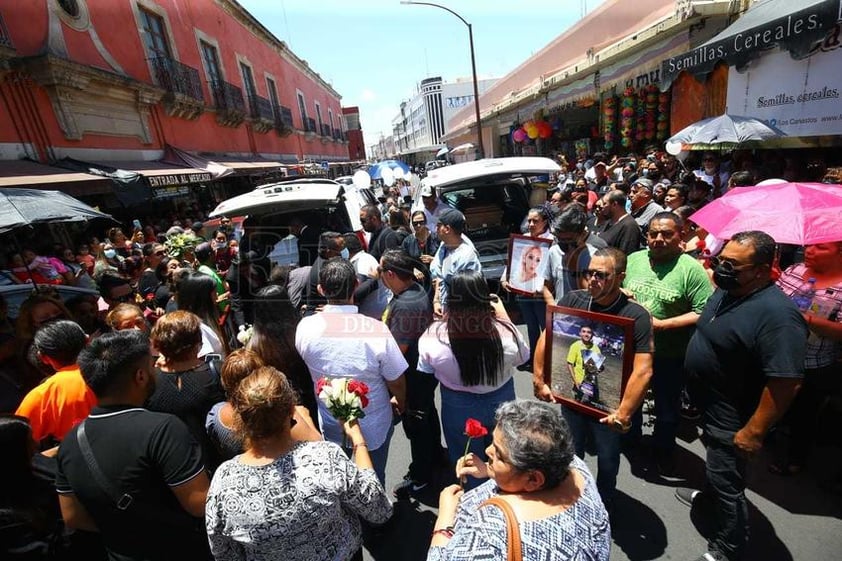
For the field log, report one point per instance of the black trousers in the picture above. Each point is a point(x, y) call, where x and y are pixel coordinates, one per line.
point(421, 425)
point(725, 471)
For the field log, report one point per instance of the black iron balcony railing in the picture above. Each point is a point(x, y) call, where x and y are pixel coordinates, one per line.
point(325, 130)
point(310, 125)
point(176, 77)
point(5, 39)
point(284, 115)
point(227, 96)
point(260, 108)
point(337, 134)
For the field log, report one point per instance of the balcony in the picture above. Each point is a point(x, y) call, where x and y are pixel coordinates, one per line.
point(184, 96)
point(283, 120)
point(260, 110)
point(310, 126)
point(229, 102)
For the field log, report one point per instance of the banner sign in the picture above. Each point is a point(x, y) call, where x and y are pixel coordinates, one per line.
point(800, 97)
point(763, 26)
point(178, 179)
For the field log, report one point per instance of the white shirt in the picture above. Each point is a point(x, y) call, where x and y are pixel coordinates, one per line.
point(339, 342)
point(375, 303)
point(436, 357)
point(210, 342)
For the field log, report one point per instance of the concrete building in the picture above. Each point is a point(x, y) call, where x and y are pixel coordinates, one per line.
point(422, 121)
point(354, 132)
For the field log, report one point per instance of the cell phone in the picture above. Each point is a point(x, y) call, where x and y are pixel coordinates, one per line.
point(136, 224)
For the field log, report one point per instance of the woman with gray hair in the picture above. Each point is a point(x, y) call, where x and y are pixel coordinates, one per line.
point(535, 475)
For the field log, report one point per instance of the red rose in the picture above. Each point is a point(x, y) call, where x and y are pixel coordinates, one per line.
point(321, 384)
point(363, 401)
point(357, 387)
point(700, 244)
point(474, 429)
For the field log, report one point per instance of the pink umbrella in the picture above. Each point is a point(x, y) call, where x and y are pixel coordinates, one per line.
point(793, 213)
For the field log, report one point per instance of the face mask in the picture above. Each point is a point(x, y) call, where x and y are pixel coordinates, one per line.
point(345, 254)
point(110, 253)
point(726, 280)
point(645, 172)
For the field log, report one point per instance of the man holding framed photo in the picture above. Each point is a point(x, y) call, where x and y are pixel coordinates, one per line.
point(605, 276)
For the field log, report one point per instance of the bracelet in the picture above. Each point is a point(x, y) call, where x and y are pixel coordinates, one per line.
point(360, 445)
point(446, 532)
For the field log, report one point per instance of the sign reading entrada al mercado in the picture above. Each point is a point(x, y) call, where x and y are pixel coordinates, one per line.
point(178, 179)
point(762, 27)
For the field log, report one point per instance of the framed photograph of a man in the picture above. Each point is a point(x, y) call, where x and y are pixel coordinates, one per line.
point(526, 264)
point(589, 358)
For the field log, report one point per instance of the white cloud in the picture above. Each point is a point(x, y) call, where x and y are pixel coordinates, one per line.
point(368, 95)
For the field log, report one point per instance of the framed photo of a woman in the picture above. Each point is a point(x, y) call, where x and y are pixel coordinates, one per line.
point(527, 263)
point(589, 358)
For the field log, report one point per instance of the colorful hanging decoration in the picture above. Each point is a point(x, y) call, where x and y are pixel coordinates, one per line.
point(651, 115)
point(627, 118)
point(640, 114)
point(609, 121)
point(663, 127)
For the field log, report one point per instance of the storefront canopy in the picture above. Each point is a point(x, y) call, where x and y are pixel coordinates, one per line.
point(26, 173)
point(794, 25)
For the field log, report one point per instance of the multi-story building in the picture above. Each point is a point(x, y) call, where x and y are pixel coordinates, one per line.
point(195, 96)
point(422, 122)
point(354, 131)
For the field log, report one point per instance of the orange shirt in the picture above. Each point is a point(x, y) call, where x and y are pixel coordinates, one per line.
point(57, 404)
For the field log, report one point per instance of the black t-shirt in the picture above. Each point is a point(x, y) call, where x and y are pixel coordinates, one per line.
point(381, 241)
point(644, 341)
point(190, 395)
point(407, 316)
point(624, 235)
point(737, 344)
point(143, 454)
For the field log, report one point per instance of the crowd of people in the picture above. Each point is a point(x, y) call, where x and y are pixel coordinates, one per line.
point(184, 399)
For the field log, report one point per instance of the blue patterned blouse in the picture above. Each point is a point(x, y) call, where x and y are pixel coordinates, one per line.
point(581, 533)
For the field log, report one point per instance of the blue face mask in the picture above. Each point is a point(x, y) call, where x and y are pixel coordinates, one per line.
point(110, 253)
point(345, 254)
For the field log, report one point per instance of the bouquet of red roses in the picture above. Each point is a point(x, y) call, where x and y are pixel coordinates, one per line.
point(345, 398)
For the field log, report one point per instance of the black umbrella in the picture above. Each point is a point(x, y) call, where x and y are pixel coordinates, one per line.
point(24, 207)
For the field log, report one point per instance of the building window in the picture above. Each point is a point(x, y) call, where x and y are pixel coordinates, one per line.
point(302, 107)
point(248, 81)
point(211, 59)
point(155, 35)
point(330, 118)
point(70, 7)
point(273, 97)
point(319, 115)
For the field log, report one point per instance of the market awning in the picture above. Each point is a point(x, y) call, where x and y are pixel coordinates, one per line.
point(794, 25)
point(161, 174)
point(26, 173)
point(246, 166)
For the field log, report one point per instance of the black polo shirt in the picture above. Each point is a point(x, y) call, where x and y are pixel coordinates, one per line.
point(143, 454)
point(407, 316)
point(622, 307)
point(737, 345)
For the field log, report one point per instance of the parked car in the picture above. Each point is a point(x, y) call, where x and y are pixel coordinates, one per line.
point(320, 203)
point(494, 195)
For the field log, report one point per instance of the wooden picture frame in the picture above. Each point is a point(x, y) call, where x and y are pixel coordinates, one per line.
point(526, 264)
point(602, 365)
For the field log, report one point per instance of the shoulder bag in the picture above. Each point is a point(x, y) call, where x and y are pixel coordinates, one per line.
point(514, 548)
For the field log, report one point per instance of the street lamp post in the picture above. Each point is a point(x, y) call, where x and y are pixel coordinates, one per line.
point(480, 150)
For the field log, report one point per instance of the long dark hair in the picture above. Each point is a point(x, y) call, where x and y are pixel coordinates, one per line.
point(472, 329)
point(196, 293)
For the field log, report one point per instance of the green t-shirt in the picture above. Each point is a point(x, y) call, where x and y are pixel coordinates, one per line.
point(668, 290)
point(220, 285)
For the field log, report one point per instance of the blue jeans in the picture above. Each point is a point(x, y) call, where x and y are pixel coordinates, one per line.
point(457, 407)
point(726, 484)
point(379, 456)
point(534, 312)
point(607, 444)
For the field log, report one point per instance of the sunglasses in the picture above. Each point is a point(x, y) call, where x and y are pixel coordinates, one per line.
point(598, 275)
point(419, 224)
point(728, 266)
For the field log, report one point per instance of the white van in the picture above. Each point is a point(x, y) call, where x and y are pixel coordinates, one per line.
point(495, 195)
point(322, 204)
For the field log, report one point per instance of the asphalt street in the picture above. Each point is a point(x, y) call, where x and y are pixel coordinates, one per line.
point(792, 518)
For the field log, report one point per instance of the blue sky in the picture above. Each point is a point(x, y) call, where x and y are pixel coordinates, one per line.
point(375, 52)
